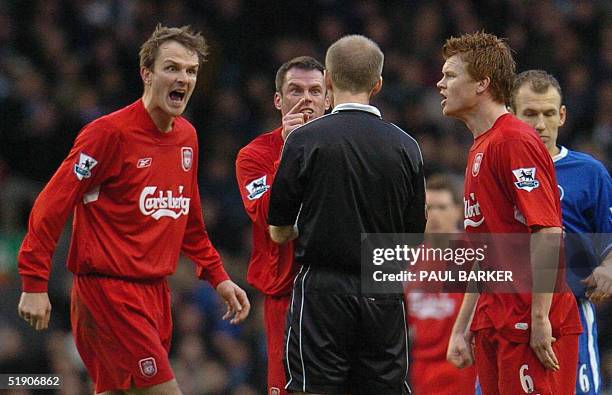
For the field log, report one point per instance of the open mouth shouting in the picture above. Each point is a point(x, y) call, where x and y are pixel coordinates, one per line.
point(177, 97)
point(443, 101)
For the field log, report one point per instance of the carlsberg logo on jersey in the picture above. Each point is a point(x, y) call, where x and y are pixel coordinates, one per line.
point(159, 204)
point(471, 212)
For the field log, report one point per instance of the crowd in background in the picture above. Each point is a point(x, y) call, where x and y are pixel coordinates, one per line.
point(65, 63)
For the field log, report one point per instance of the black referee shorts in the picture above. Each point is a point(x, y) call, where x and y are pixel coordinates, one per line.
point(341, 342)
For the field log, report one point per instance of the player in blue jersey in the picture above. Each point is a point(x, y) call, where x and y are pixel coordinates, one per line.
point(586, 200)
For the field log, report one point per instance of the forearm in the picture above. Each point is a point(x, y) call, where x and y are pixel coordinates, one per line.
point(47, 219)
point(607, 261)
point(283, 234)
point(599, 283)
point(545, 247)
point(540, 305)
point(466, 312)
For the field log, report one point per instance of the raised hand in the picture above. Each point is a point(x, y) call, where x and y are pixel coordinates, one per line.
point(294, 118)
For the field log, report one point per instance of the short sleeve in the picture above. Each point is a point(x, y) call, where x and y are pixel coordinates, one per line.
point(526, 172)
point(288, 187)
point(602, 212)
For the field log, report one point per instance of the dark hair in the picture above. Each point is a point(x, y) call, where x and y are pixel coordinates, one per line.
point(485, 56)
point(539, 81)
point(183, 35)
point(301, 62)
point(446, 182)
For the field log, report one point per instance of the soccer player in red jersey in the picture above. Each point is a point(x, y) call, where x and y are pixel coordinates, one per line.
point(300, 97)
point(524, 342)
point(131, 181)
point(431, 315)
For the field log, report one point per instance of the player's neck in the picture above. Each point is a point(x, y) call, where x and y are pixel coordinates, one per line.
point(160, 118)
point(484, 116)
point(341, 97)
point(554, 151)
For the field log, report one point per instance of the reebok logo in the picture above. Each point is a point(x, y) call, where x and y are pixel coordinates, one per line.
point(144, 162)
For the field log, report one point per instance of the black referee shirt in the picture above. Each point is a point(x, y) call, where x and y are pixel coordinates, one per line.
point(347, 173)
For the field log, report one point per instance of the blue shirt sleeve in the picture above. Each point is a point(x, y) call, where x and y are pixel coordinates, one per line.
point(603, 211)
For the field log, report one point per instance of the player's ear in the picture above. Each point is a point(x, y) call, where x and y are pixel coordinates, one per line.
point(328, 81)
point(327, 99)
point(562, 115)
point(278, 100)
point(377, 87)
point(482, 85)
point(145, 74)
point(329, 90)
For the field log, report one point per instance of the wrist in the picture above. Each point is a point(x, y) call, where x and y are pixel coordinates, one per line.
point(458, 331)
point(215, 276)
point(607, 262)
point(221, 282)
point(31, 284)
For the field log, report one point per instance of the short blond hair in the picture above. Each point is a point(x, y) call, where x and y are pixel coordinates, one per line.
point(354, 63)
point(485, 56)
point(184, 35)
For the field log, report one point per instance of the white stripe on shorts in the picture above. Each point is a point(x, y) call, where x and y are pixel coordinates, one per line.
point(589, 316)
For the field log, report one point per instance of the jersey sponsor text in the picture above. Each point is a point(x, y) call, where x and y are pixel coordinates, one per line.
point(163, 204)
point(471, 212)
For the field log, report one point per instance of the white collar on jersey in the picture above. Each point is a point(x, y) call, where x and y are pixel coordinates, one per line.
point(358, 107)
point(562, 154)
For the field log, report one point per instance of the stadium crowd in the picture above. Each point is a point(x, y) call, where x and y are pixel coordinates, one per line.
point(65, 63)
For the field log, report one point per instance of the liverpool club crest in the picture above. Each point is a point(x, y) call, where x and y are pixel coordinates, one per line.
point(186, 158)
point(148, 367)
point(477, 163)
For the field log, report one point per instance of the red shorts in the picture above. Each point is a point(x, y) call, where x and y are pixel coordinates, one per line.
point(510, 368)
point(122, 331)
point(275, 313)
point(429, 377)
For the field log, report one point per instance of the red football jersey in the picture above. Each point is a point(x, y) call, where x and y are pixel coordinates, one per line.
point(510, 186)
point(431, 317)
point(271, 268)
point(134, 193)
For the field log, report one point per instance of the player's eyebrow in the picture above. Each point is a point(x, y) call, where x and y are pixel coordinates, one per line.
point(178, 63)
point(294, 85)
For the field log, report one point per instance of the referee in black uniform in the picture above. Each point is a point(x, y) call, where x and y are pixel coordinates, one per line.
point(346, 173)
